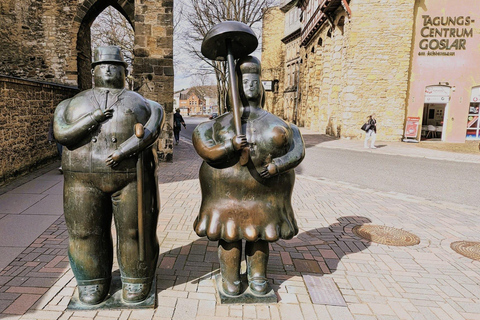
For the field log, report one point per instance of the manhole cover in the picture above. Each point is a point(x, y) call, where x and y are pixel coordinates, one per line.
point(386, 235)
point(468, 249)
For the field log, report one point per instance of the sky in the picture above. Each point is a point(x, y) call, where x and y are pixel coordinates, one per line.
point(184, 64)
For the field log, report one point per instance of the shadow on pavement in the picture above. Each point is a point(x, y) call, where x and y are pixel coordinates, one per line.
point(311, 140)
point(314, 252)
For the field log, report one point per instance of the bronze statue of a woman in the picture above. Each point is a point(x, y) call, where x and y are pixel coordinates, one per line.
point(251, 199)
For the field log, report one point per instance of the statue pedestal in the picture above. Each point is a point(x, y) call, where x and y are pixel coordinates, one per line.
point(247, 296)
point(114, 299)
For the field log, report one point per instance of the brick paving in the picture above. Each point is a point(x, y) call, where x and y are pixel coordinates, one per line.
point(425, 281)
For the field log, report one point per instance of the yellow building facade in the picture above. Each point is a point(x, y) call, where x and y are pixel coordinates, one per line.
point(353, 62)
point(414, 63)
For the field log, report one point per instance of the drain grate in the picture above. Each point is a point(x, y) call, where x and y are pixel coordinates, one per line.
point(386, 235)
point(468, 249)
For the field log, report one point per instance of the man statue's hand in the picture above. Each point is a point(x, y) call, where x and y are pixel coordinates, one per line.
point(108, 113)
point(101, 116)
point(269, 171)
point(114, 159)
point(239, 142)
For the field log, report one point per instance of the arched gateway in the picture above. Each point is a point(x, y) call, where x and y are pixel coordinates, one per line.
point(45, 56)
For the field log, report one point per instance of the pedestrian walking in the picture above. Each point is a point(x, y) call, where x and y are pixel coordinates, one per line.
point(177, 125)
point(370, 128)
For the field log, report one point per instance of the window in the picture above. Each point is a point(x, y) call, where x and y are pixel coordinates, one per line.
point(473, 125)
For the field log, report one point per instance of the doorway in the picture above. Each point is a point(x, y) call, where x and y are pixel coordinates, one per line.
point(435, 109)
point(433, 118)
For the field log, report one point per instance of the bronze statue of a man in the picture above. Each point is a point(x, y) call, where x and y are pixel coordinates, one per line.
point(105, 163)
point(251, 200)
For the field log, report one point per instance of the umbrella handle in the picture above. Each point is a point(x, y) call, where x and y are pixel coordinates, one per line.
point(236, 103)
point(234, 89)
point(139, 133)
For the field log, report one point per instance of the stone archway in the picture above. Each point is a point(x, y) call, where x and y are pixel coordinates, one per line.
point(86, 14)
point(46, 44)
point(152, 23)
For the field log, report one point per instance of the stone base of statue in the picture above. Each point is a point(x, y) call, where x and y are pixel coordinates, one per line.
point(247, 296)
point(114, 299)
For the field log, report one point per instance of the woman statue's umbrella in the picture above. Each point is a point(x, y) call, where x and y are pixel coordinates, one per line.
point(227, 41)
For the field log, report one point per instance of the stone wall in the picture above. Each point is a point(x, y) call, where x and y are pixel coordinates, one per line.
point(322, 78)
point(26, 109)
point(36, 40)
point(153, 63)
point(377, 67)
point(273, 57)
point(359, 67)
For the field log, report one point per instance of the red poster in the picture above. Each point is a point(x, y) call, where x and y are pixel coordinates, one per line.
point(411, 128)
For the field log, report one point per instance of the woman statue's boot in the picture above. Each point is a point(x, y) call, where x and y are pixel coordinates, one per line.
point(229, 255)
point(256, 254)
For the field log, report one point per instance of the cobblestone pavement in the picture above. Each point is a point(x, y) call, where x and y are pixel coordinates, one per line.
point(425, 281)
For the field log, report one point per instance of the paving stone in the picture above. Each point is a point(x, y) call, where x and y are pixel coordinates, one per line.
point(22, 304)
point(376, 281)
point(185, 309)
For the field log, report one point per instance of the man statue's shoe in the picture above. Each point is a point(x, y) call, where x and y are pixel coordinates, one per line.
point(232, 288)
point(135, 292)
point(93, 293)
point(258, 285)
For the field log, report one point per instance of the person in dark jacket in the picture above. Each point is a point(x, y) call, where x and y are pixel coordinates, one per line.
point(177, 125)
point(371, 132)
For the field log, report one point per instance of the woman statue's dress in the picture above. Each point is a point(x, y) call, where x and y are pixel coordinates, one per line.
point(237, 203)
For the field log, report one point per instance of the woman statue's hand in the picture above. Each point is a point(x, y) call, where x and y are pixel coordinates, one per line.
point(239, 142)
point(114, 159)
point(269, 171)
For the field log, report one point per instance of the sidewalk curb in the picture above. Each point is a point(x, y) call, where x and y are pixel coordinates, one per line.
point(390, 153)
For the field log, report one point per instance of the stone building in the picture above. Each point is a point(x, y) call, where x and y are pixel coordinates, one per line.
point(415, 64)
point(46, 54)
point(193, 101)
point(291, 40)
point(180, 96)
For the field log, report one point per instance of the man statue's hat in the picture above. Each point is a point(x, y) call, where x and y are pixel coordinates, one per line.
point(110, 54)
